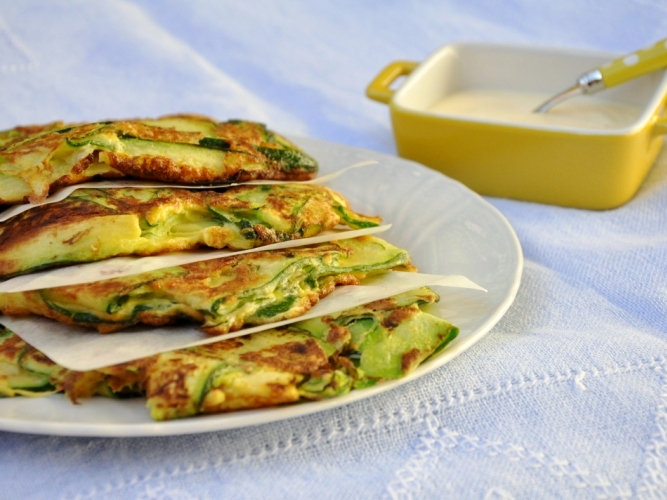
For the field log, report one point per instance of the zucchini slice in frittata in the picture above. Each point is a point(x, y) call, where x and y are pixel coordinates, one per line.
point(181, 149)
point(95, 224)
point(222, 294)
point(24, 371)
point(313, 359)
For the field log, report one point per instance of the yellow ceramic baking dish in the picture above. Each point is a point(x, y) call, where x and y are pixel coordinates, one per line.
point(584, 168)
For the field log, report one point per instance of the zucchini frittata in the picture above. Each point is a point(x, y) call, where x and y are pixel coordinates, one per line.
point(95, 224)
point(222, 295)
point(180, 149)
point(310, 360)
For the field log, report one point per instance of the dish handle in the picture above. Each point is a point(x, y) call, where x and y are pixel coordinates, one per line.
point(379, 90)
point(660, 126)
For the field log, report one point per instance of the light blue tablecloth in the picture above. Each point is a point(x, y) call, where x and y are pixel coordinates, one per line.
point(565, 398)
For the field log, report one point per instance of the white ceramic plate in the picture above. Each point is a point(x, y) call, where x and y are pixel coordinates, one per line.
point(447, 228)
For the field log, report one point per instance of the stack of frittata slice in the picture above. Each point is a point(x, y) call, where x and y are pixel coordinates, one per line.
point(311, 359)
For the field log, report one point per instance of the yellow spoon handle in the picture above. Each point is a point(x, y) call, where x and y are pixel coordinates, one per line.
point(635, 64)
point(614, 73)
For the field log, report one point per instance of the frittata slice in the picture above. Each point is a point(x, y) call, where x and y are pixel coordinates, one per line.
point(222, 295)
point(95, 224)
point(181, 149)
point(309, 360)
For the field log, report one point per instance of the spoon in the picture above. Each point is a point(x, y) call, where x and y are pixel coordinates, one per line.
point(614, 73)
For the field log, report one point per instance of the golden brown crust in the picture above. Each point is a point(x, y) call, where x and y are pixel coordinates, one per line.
point(27, 153)
point(169, 385)
point(277, 366)
point(241, 217)
point(30, 224)
point(222, 294)
point(294, 357)
point(410, 360)
point(79, 385)
point(20, 133)
point(398, 316)
point(12, 347)
point(151, 133)
point(164, 169)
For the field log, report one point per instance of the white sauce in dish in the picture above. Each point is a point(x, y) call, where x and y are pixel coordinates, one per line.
point(517, 108)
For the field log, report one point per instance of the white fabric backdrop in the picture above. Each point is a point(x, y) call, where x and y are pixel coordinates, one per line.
point(567, 395)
